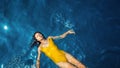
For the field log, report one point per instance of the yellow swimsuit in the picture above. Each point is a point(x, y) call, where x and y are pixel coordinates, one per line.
point(52, 51)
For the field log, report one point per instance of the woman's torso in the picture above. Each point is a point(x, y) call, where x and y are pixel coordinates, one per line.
point(52, 51)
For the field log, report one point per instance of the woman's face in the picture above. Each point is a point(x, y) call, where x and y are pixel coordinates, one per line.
point(38, 36)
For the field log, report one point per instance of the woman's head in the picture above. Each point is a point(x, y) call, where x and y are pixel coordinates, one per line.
point(37, 37)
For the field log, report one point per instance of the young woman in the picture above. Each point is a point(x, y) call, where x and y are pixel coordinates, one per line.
point(50, 49)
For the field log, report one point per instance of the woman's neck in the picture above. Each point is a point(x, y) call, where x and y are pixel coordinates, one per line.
point(43, 40)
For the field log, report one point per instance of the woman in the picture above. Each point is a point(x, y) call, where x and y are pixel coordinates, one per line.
point(59, 57)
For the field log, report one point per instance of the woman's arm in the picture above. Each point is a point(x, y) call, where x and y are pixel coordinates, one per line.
point(38, 58)
point(63, 35)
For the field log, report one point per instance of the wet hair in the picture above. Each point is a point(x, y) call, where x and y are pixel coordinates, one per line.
point(34, 40)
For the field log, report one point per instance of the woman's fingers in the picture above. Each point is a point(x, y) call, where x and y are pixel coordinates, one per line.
point(71, 31)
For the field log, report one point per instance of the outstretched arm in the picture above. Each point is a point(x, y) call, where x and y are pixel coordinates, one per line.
point(38, 59)
point(63, 35)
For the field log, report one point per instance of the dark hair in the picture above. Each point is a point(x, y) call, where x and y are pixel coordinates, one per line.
point(34, 40)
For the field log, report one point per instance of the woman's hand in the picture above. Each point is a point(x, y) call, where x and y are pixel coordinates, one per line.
point(71, 31)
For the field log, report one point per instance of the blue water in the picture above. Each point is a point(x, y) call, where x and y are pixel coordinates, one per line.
point(96, 23)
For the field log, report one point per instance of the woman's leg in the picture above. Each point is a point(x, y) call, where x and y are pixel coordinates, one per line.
point(65, 65)
point(74, 61)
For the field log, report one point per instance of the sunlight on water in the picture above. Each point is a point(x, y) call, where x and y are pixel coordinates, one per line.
point(2, 66)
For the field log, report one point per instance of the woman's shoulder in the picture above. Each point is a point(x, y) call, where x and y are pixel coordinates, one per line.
point(49, 37)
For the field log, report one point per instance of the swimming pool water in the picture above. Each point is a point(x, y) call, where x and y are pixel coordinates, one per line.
point(96, 23)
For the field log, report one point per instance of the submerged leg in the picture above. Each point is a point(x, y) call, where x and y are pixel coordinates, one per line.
point(74, 61)
point(65, 65)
